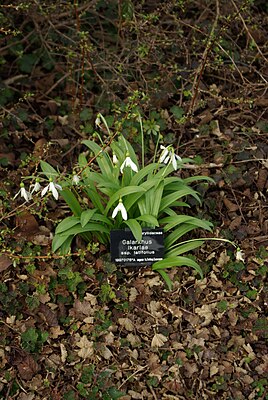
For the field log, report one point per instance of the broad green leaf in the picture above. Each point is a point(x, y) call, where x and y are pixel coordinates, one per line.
point(150, 219)
point(153, 198)
point(86, 216)
point(102, 158)
point(133, 199)
point(184, 248)
point(166, 278)
point(121, 193)
point(135, 228)
point(102, 218)
point(177, 262)
point(48, 170)
point(66, 224)
point(89, 227)
point(177, 233)
point(95, 198)
point(173, 221)
point(170, 198)
point(72, 202)
point(62, 242)
point(140, 175)
point(124, 144)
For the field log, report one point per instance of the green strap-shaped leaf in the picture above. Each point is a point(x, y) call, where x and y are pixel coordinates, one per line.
point(140, 175)
point(170, 198)
point(166, 278)
point(66, 224)
point(89, 227)
point(62, 242)
point(178, 233)
point(177, 262)
point(171, 222)
point(86, 216)
point(184, 248)
point(149, 219)
point(72, 202)
point(48, 170)
point(103, 159)
point(121, 193)
point(135, 228)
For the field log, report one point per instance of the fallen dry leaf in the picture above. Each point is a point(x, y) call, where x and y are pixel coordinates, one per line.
point(28, 367)
point(63, 353)
point(86, 347)
point(126, 323)
point(158, 340)
point(5, 262)
point(206, 312)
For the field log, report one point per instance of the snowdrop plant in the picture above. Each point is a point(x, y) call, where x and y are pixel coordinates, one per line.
point(117, 191)
point(111, 189)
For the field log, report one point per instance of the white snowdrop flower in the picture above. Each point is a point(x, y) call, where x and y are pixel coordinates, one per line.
point(239, 255)
point(23, 193)
point(120, 207)
point(164, 157)
point(36, 186)
point(115, 159)
point(76, 179)
point(128, 163)
point(168, 156)
point(174, 158)
point(98, 121)
point(52, 187)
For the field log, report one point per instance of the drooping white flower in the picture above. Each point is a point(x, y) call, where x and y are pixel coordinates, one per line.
point(98, 121)
point(239, 255)
point(36, 186)
point(24, 193)
point(128, 163)
point(52, 187)
point(164, 156)
point(115, 159)
point(174, 158)
point(76, 179)
point(120, 207)
point(168, 156)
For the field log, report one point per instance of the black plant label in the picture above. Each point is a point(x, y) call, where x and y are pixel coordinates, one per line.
point(126, 250)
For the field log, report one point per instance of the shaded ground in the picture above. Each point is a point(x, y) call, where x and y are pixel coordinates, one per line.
point(81, 328)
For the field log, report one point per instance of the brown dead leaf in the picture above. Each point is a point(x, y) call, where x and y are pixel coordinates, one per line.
point(86, 347)
point(81, 309)
point(262, 369)
point(56, 331)
point(25, 396)
point(134, 340)
point(104, 351)
point(214, 369)
point(235, 223)
point(26, 223)
point(5, 262)
point(39, 147)
point(28, 367)
point(155, 366)
point(133, 294)
point(126, 323)
point(190, 369)
point(154, 307)
point(48, 315)
point(158, 340)
point(63, 353)
point(229, 205)
point(206, 312)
